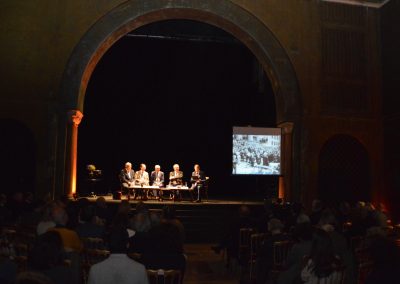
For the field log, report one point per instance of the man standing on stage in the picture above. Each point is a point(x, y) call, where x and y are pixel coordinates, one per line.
point(198, 178)
point(127, 177)
point(157, 178)
point(142, 179)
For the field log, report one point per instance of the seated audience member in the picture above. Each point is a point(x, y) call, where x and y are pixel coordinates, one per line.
point(5, 213)
point(230, 238)
point(16, 206)
point(265, 259)
point(322, 264)
point(302, 234)
point(166, 249)
point(46, 221)
point(8, 271)
point(32, 277)
point(33, 213)
point(124, 207)
point(118, 267)
point(102, 211)
point(70, 239)
point(385, 256)
point(89, 226)
point(328, 223)
point(316, 211)
point(141, 224)
point(168, 216)
point(47, 257)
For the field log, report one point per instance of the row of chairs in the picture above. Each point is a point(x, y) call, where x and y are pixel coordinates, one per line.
point(15, 243)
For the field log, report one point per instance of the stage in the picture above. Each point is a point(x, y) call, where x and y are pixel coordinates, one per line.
point(204, 222)
point(184, 202)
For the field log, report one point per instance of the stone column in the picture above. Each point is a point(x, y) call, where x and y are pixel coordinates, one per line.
point(285, 181)
point(74, 118)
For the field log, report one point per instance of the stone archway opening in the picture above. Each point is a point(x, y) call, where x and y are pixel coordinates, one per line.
point(177, 87)
point(227, 16)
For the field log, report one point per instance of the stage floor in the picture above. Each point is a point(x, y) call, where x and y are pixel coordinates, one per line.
point(214, 201)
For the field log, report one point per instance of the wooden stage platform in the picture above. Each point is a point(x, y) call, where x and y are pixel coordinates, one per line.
point(211, 202)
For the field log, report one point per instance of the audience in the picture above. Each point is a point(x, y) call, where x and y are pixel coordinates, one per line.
point(47, 256)
point(322, 264)
point(102, 211)
point(386, 262)
point(264, 261)
point(302, 234)
point(70, 239)
point(159, 239)
point(90, 226)
point(46, 221)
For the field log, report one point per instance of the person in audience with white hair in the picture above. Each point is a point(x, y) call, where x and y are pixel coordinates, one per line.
point(69, 237)
point(47, 220)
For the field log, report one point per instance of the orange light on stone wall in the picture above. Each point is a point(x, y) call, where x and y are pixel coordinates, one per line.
point(281, 188)
point(76, 117)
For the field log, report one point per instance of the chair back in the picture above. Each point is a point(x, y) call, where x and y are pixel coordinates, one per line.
point(245, 237)
point(255, 243)
point(357, 242)
point(93, 243)
point(162, 276)
point(280, 251)
point(90, 257)
point(364, 268)
point(244, 243)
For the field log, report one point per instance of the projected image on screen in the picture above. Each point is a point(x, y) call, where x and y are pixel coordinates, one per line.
point(256, 151)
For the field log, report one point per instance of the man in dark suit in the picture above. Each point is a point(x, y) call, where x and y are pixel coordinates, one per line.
point(198, 178)
point(127, 177)
point(157, 178)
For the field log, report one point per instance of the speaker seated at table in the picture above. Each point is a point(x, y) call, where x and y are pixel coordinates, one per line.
point(176, 179)
point(157, 179)
point(198, 179)
point(127, 178)
point(142, 179)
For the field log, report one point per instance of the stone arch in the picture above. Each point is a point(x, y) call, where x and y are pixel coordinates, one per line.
point(344, 170)
point(223, 14)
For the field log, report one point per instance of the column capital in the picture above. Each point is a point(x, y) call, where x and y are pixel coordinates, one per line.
point(75, 116)
point(287, 127)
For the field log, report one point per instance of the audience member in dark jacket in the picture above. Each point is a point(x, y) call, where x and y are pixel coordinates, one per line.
point(265, 261)
point(47, 257)
point(386, 262)
point(88, 228)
